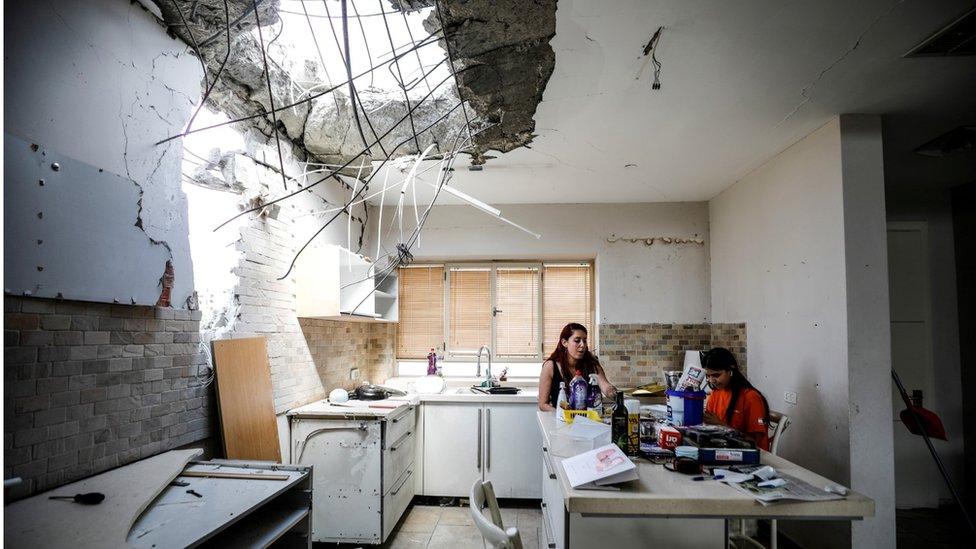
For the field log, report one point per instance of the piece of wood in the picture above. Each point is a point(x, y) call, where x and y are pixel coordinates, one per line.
point(246, 476)
point(244, 398)
point(42, 522)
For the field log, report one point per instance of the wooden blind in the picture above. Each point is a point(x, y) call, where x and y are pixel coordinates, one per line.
point(517, 322)
point(421, 297)
point(470, 314)
point(567, 297)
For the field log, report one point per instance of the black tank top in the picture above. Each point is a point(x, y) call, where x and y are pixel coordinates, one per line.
point(557, 378)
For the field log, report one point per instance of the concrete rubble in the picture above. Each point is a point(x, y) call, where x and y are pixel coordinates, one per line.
point(503, 47)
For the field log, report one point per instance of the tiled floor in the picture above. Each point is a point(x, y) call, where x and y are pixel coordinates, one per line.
point(452, 528)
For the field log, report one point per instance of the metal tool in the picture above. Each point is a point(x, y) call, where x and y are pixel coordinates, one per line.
point(194, 493)
point(91, 498)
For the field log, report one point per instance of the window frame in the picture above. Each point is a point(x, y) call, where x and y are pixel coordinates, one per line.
point(492, 266)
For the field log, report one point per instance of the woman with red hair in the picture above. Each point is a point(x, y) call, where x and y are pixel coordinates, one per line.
point(571, 355)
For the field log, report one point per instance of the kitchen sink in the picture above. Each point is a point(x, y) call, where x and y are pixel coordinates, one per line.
point(496, 390)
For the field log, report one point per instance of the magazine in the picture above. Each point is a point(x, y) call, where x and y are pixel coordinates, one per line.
point(792, 489)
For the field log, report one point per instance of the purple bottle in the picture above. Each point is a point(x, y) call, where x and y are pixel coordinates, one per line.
point(577, 392)
point(432, 362)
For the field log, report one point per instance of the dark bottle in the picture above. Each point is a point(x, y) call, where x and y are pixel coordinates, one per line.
point(618, 424)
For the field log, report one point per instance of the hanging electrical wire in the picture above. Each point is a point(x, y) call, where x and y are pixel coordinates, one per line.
point(318, 50)
point(353, 199)
point(267, 77)
point(396, 63)
point(344, 166)
point(427, 41)
point(420, 64)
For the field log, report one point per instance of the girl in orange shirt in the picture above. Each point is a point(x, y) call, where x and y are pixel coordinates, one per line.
point(734, 401)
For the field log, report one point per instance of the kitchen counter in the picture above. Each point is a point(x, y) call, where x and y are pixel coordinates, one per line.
point(354, 409)
point(660, 492)
point(467, 395)
point(362, 409)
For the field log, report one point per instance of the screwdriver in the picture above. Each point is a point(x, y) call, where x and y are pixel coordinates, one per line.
point(91, 498)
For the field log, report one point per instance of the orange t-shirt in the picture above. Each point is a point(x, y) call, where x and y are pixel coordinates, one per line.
point(749, 415)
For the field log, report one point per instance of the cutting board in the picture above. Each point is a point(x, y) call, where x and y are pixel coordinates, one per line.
point(244, 397)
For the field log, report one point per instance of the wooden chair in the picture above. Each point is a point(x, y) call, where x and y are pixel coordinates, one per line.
point(497, 536)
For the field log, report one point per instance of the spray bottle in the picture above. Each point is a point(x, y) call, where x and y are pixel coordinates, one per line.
point(561, 401)
point(577, 392)
point(593, 393)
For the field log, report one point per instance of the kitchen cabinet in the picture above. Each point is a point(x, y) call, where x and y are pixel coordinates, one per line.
point(488, 441)
point(363, 475)
point(335, 283)
point(452, 447)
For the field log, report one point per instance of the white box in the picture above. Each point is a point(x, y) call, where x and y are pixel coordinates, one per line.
point(581, 436)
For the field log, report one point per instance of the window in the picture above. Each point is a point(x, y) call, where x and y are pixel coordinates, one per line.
point(568, 298)
point(517, 309)
point(421, 296)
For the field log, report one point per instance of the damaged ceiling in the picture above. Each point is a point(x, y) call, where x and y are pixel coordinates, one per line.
point(503, 64)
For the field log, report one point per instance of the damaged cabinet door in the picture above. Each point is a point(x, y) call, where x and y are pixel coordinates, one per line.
point(335, 283)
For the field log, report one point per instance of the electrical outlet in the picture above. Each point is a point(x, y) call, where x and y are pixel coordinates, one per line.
point(790, 397)
point(354, 373)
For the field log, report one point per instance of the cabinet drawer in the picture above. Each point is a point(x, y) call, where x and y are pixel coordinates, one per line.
point(395, 502)
point(397, 457)
point(399, 425)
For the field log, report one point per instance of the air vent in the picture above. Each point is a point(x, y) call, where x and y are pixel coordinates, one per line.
point(961, 140)
point(956, 39)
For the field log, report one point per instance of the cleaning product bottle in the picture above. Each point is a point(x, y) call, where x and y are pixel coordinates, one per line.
point(432, 362)
point(593, 393)
point(561, 401)
point(577, 392)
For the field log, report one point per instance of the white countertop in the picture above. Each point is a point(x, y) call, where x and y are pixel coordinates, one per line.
point(464, 394)
point(374, 409)
point(354, 409)
point(662, 493)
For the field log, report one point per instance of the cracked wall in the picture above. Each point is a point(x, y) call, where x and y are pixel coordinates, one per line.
point(97, 82)
point(237, 268)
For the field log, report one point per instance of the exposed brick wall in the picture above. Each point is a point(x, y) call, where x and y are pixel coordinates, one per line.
point(635, 354)
point(90, 386)
point(265, 306)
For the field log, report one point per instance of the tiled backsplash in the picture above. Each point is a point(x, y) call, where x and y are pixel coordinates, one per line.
point(635, 354)
point(337, 347)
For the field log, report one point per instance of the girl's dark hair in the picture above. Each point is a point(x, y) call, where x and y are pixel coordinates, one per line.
point(720, 358)
point(559, 357)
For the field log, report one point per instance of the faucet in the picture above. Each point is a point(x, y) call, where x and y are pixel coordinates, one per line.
point(490, 382)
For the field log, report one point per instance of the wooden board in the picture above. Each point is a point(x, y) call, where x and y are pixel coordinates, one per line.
point(244, 397)
point(42, 522)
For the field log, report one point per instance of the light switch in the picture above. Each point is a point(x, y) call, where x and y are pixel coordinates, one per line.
point(354, 373)
point(790, 397)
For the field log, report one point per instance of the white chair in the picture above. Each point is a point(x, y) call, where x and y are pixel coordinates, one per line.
point(778, 423)
point(497, 536)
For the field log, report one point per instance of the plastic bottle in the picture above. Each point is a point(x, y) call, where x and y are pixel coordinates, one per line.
point(432, 362)
point(592, 393)
point(560, 400)
point(577, 392)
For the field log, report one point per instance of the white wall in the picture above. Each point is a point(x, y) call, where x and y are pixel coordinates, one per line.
point(635, 283)
point(100, 82)
point(868, 326)
point(780, 239)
